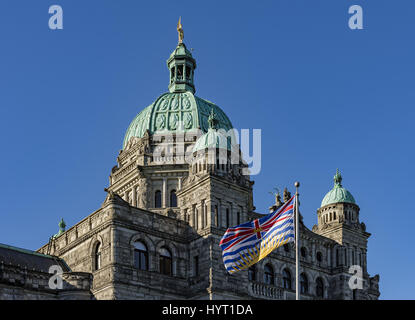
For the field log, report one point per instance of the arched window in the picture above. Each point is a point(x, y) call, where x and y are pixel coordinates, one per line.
point(319, 256)
point(97, 257)
point(252, 273)
point(140, 256)
point(286, 277)
point(303, 252)
point(238, 218)
point(227, 218)
point(268, 274)
point(157, 199)
point(286, 247)
point(303, 283)
point(165, 261)
point(196, 266)
point(319, 288)
point(173, 198)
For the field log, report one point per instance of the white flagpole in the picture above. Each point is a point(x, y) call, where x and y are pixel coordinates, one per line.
point(297, 245)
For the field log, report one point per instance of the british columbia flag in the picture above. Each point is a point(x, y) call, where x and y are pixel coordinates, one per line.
point(246, 244)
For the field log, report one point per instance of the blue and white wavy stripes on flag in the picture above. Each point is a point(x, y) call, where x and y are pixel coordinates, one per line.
point(246, 244)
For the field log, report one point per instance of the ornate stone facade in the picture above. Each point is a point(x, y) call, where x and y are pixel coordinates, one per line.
point(156, 235)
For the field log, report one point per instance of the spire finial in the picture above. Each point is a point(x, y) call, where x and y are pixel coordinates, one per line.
point(337, 179)
point(180, 30)
point(212, 120)
point(62, 226)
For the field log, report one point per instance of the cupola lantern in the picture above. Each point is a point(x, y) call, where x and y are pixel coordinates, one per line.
point(181, 65)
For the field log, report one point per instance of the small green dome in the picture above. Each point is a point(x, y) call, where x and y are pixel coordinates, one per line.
point(213, 139)
point(172, 109)
point(338, 193)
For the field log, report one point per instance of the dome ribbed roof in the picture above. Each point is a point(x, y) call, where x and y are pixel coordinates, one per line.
point(176, 112)
point(212, 139)
point(338, 193)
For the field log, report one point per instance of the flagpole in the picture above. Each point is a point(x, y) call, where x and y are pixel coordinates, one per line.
point(297, 244)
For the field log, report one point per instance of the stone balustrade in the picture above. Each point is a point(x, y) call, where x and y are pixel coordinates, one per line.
point(264, 291)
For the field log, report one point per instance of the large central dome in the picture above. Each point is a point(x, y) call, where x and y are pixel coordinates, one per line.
point(179, 109)
point(170, 110)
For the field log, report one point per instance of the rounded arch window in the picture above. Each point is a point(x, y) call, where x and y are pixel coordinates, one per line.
point(303, 252)
point(173, 198)
point(319, 288)
point(157, 199)
point(319, 256)
point(140, 256)
point(286, 247)
point(286, 277)
point(252, 273)
point(166, 266)
point(268, 274)
point(303, 283)
point(97, 256)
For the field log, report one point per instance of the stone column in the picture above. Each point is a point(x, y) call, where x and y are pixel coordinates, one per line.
point(134, 194)
point(313, 252)
point(179, 186)
point(198, 224)
point(192, 221)
point(202, 214)
point(210, 213)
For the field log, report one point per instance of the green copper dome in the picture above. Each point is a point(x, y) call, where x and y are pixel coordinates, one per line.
point(178, 110)
point(338, 193)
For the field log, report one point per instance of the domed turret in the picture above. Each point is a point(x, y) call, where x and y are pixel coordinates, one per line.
point(213, 139)
point(338, 193)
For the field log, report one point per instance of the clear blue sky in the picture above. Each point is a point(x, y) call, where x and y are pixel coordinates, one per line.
point(325, 97)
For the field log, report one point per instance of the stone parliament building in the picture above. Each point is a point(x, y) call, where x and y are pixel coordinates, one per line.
point(156, 235)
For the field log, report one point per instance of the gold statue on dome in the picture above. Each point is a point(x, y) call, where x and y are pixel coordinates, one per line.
point(180, 30)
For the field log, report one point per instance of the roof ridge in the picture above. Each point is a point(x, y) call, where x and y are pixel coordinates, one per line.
point(27, 251)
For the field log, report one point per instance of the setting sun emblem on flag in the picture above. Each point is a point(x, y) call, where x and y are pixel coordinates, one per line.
point(246, 244)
